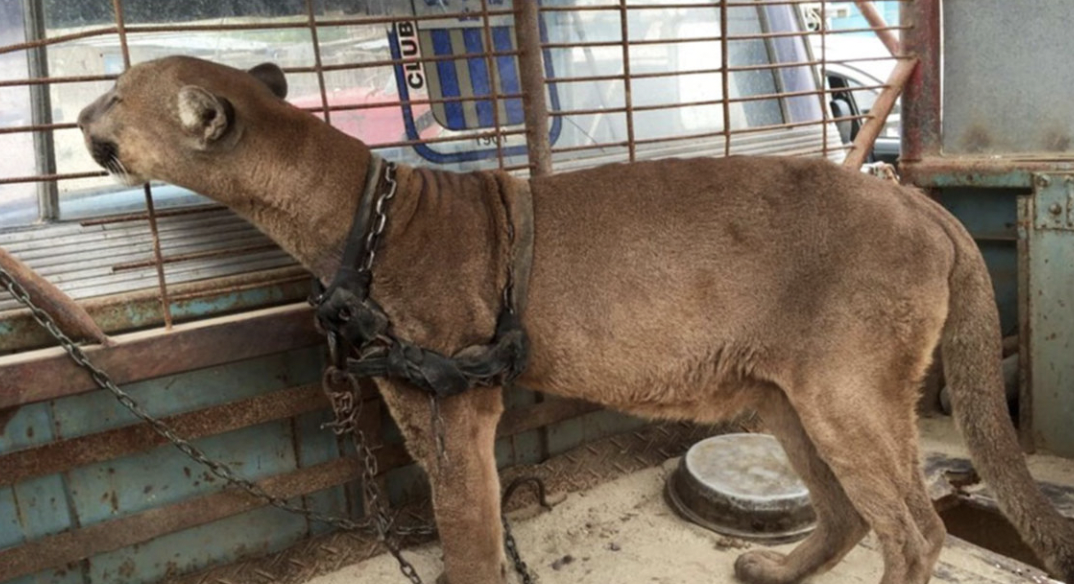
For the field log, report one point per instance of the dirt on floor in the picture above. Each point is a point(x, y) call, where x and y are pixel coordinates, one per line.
point(623, 532)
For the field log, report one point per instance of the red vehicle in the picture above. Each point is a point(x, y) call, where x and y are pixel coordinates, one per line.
point(375, 125)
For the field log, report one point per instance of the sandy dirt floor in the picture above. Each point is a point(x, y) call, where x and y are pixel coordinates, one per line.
point(623, 532)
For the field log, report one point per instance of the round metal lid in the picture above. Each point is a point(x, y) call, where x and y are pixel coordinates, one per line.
point(742, 485)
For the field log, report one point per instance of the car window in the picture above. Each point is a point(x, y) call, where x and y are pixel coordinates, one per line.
point(864, 99)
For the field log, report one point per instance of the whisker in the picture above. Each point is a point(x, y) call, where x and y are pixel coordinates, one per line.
point(120, 169)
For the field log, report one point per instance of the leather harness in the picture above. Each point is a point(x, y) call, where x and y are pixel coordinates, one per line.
point(349, 317)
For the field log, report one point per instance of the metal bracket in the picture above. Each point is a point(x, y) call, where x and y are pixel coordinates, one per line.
point(1054, 202)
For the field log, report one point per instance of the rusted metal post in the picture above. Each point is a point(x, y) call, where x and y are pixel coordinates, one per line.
point(494, 78)
point(876, 20)
point(531, 78)
point(866, 137)
point(921, 98)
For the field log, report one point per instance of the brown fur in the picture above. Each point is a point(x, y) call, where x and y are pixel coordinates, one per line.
point(686, 289)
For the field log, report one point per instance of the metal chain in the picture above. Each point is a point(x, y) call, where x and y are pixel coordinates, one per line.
point(346, 398)
point(380, 217)
point(511, 546)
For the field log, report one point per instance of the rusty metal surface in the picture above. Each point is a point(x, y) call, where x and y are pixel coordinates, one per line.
point(48, 374)
point(1046, 224)
point(965, 171)
point(921, 99)
point(64, 455)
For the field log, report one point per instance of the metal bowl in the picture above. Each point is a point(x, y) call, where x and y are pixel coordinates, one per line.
point(742, 485)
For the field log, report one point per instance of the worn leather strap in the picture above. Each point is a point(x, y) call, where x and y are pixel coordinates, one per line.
point(498, 362)
point(520, 213)
point(349, 287)
point(355, 246)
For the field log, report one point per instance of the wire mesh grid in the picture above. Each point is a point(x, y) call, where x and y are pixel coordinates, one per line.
point(443, 83)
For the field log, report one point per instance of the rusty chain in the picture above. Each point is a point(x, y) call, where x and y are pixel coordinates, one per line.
point(346, 404)
point(380, 219)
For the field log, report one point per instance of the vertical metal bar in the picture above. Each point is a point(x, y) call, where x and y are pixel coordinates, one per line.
point(876, 20)
point(494, 78)
point(121, 29)
point(824, 76)
point(48, 208)
point(1026, 212)
point(151, 216)
point(317, 65)
point(158, 257)
point(725, 78)
point(531, 78)
point(921, 99)
point(628, 99)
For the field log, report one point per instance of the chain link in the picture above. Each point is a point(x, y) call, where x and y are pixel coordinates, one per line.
point(511, 547)
point(380, 217)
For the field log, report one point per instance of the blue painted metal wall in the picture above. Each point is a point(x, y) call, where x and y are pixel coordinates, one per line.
point(99, 492)
point(991, 216)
